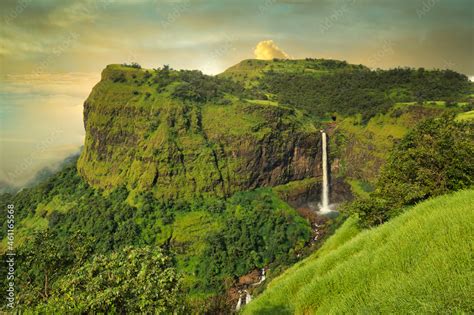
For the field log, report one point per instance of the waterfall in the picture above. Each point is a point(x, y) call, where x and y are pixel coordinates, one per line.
point(239, 304)
point(325, 191)
point(262, 277)
point(248, 297)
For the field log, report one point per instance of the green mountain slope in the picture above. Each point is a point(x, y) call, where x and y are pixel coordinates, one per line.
point(358, 151)
point(184, 135)
point(181, 134)
point(323, 87)
point(250, 71)
point(419, 262)
point(185, 161)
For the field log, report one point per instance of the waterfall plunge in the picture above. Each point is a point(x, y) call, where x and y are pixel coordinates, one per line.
point(239, 304)
point(324, 207)
point(247, 300)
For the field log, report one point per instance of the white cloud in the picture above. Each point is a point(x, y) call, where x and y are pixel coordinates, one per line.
point(267, 49)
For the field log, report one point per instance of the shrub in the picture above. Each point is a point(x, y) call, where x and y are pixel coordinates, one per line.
point(433, 159)
point(119, 77)
point(132, 280)
point(132, 65)
point(371, 211)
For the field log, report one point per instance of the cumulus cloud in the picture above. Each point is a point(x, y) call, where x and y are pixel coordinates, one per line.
point(267, 49)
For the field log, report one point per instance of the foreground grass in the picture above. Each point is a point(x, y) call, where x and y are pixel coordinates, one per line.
point(419, 262)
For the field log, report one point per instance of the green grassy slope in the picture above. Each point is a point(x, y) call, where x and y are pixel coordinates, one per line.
point(251, 70)
point(419, 262)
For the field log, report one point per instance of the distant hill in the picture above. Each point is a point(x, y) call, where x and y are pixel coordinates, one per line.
point(418, 263)
point(321, 87)
point(250, 71)
point(6, 187)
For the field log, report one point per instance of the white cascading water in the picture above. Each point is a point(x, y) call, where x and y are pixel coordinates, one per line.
point(325, 191)
point(248, 297)
point(247, 300)
point(239, 304)
point(262, 277)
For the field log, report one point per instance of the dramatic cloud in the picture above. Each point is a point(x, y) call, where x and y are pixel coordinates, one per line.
point(267, 49)
point(83, 36)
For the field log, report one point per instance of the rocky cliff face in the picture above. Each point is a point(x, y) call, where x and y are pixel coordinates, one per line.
point(139, 136)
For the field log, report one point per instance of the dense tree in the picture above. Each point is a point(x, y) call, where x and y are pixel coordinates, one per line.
point(433, 159)
point(84, 224)
point(257, 233)
point(131, 280)
point(198, 87)
point(41, 260)
point(362, 91)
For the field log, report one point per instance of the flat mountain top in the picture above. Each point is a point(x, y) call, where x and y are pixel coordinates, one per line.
point(250, 70)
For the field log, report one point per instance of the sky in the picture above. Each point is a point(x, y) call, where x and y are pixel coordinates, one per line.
point(52, 51)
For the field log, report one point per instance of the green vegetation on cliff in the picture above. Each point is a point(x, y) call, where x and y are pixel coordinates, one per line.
point(81, 230)
point(363, 92)
point(323, 87)
point(418, 263)
point(184, 135)
point(434, 158)
point(358, 151)
point(188, 173)
point(251, 71)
